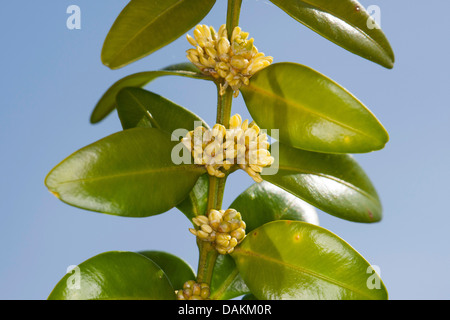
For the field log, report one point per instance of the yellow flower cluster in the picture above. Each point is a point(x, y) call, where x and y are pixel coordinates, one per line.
point(219, 149)
point(224, 228)
point(193, 291)
point(233, 62)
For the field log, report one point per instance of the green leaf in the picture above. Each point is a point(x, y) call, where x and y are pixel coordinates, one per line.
point(107, 102)
point(311, 111)
point(226, 282)
point(129, 173)
point(264, 202)
point(344, 22)
point(175, 268)
point(196, 202)
point(260, 203)
point(333, 183)
point(115, 275)
point(296, 260)
point(140, 108)
point(145, 26)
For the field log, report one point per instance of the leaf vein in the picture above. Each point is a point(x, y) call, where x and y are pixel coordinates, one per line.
point(301, 269)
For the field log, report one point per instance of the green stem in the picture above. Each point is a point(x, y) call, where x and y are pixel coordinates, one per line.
point(206, 262)
point(207, 253)
point(212, 194)
point(217, 185)
point(233, 11)
point(224, 106)
point(220, 191)
point(215, 193)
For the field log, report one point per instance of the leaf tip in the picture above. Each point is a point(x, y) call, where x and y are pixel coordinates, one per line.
point(93, 119)
point(56, 194)
point(389, 64)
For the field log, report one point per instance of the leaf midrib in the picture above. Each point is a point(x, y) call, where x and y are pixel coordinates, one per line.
point(225, 284)
point(144, 28)
point(145, 111)
point(270, 94)
point(301, 269)
point(372, 40)
point(343, 182)
point(192, 168)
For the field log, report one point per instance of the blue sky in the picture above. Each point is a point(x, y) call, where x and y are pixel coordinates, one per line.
point(52, 78)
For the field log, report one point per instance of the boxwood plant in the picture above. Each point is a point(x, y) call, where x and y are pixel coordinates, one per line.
point(267, 244)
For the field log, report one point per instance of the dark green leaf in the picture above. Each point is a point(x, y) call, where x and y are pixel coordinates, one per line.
point(140, 108)
point(175, 268)
point(107, 102)
point(226, 281)
point(264, 202)
point(145, 26)
point(115, 275)
point(333, 183)
point(129, 173)
point(344, 22)
point(311, 111)
point(284, 260)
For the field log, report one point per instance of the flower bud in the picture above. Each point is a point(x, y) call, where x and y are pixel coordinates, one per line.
point(193, 291)
point(240, 55)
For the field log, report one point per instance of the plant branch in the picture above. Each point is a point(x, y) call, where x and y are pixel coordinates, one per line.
point(207, 253)
point(224, 106)
point(206, 262)
point(233, 12)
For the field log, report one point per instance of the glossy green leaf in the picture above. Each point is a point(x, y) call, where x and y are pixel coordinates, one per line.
point(311, 111)
point(260, 203)
point(249, 296)
point(129, 173)
point(175, 268)
point(284, 260)
point(344, 22)
point(196, 202)
point(145, 26)
point(226, 282)
point(333, 183)
point(140, 108)
point(115, 275)
point(264, 202)
point(107, 102)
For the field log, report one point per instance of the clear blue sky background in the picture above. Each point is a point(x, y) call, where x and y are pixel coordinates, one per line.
point(52, 77)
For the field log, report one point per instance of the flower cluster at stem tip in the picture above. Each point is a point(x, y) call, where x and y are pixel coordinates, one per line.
point(232, 61)
point(193, 291)
point(219, 149)
point(225, 229)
